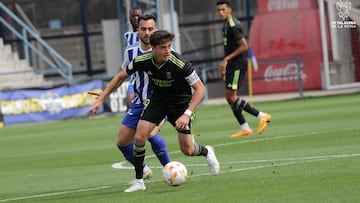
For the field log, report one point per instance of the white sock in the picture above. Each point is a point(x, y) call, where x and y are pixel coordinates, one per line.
point(245, 126)
point(261, 114)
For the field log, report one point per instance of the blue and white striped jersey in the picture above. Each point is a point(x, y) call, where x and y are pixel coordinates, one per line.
point(132, 38)
point(139, 79)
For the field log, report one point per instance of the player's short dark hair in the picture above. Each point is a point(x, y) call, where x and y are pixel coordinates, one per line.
point(227, 2)
point(147, 17)
point(161, 37)
point(135, 8)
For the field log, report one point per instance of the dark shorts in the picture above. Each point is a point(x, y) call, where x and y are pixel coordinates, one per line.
point(235, 75)
point(156, 110)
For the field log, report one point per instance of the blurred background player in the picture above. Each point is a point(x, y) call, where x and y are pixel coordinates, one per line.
point(132, 38)
point(233, 70)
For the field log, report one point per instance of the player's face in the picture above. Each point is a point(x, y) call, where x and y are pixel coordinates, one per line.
point(134, 17)
point(145, 30)
point(162, 52)
point(223, 11)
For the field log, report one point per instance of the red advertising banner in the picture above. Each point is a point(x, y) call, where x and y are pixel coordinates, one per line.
point(268, 6)
point(286, 29)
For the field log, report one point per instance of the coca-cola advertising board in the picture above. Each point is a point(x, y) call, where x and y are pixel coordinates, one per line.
point(288, 29)
point(282, 76)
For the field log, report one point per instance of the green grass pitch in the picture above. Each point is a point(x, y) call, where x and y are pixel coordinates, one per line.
point(309, 153)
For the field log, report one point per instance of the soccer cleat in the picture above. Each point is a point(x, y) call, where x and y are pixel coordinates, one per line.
point(212, 161)
point(147, 173)
point(263, 123)
point(138, 184)
point(242, 133)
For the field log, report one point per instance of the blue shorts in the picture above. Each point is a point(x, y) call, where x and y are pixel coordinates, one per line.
point(132, 116)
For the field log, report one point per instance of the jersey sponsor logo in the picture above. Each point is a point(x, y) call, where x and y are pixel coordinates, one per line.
point(162, 83)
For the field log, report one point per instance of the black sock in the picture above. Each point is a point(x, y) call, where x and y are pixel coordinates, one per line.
point(139, 156)
point(244, 105)
point(251, 110)
point(237, 111)
point(199, 150)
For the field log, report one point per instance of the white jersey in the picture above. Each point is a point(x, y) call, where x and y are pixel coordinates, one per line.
point(132, 38)
point(139, 79)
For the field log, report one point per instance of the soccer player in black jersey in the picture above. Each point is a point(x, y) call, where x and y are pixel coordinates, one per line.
point(233, 70)
point(172, 79)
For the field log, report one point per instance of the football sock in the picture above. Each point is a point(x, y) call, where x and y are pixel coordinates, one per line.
point(139, 156)
point(237, 110)
point(261, 114)
point(245, 126)
point(159, 148)
point(251, 110)
point(244, 105)
point(199, 150)
point(128, 152)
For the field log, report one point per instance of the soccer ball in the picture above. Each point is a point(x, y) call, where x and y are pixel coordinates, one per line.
point(174, 173)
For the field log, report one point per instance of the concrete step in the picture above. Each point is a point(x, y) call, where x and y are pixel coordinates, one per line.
point(22, 81)
point(20, 65)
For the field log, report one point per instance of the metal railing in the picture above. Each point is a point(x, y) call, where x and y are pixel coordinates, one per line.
point(56, 62)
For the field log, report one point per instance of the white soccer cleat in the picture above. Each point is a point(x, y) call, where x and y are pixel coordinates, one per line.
point(212, 161)
point(138, 184)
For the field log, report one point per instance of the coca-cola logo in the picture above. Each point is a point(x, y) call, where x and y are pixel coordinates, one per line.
point(289, 72)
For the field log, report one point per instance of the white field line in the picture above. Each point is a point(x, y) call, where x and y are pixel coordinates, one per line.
point(119, 165)
point(298, 160)
point(291, 161)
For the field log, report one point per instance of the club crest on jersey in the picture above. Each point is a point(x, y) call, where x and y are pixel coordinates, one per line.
point(168, 75)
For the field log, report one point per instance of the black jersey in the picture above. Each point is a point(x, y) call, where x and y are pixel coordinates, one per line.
point(233, 31)
point(168, 81)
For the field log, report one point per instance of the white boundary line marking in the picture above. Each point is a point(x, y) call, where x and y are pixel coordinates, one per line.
point(292, 161)
point(119, 165)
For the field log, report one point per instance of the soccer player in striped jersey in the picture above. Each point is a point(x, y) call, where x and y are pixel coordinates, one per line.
point(142, 90)
point(132, 36)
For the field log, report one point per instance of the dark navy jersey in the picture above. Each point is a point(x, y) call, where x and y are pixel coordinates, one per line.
point(232, 32)
point(171, 81)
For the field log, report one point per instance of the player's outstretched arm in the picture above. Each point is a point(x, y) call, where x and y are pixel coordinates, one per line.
point(115, 82)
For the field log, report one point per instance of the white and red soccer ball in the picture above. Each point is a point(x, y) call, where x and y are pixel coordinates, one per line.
point(174, 173)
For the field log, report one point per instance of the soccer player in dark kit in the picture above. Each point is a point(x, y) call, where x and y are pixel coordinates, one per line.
point(233, 70)
point(172, 79)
